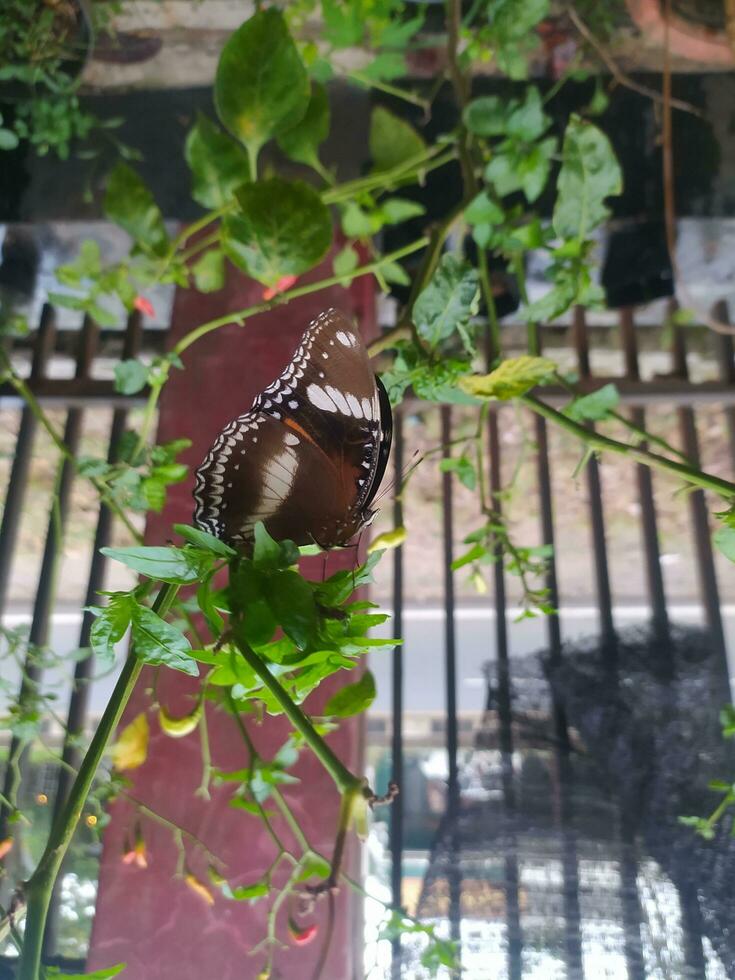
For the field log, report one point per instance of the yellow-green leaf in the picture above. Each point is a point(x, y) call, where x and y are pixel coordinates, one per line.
point(131, 748)
point(389, 539)
point(510, 379)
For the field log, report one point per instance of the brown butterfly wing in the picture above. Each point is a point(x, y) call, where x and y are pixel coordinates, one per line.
point(307, 458)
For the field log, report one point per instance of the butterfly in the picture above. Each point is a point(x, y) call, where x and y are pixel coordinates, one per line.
point(308, 458)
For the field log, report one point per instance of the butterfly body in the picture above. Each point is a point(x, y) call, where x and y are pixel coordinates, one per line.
point(309, 455)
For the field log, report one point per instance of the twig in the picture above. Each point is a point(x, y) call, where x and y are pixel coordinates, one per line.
point(619, 75)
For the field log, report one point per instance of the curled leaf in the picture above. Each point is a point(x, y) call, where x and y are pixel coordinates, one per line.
point(131, 748)
point(179, 727)
point(301, 935)
point(389, 539)
point(510, 379)
point(199, 889)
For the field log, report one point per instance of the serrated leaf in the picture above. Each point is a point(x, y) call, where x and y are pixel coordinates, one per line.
point(596, 406)
point(510, 379)
point(283, 229)
point(589, 174)
point(353, 699)
point(527, 121)
point(463, 467)
point(157, 642)
point(292, 602)
point(724, 541)
point(130, 750)
point(446, 305)
point(175, 565)
point(110, 624)
point(261, 88)
point(131, 376)
point(205, 540)
point(218, 163)
point(392, 140)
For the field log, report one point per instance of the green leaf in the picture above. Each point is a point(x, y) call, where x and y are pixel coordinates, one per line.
point(724, 541)
point(261, 88)
point(388, 540)
point(154, 493)
point(8, 139)
point(448, 302)
point(110, 624)
point(396, 209)
point(483, 210)
point(345, 261)
point(205, 540)
point(527, 122)
point(283, 229)
point(209, 271)
point(175, 565)
point(241, 893)
point(392, 141)
point(218, 164)
point(510, 379)
point(131, 376)
point(464, 469)
point(594, 407)
point(157, 642)
point(353, 699)
point(384, 67)
point(130, 204)
point(589, 174)
point(292, 602)
point(486, 116)
point(110, 971)
point(358, 223)
point(475, 553)
point(301, 142)
point(314, 867)
point(266, 551)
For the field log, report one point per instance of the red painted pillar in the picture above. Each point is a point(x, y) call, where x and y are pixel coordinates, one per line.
point(147, 917)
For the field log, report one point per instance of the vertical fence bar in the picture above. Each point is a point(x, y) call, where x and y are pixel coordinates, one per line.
point(726, 363)
point(396, 809)
point(505, 718)
point(450, 654)
point(565, 773)
point(43, 347)
point(79, 701)
point(594, 485)
point(42, 606)
point(649, 527)
point(700, 522)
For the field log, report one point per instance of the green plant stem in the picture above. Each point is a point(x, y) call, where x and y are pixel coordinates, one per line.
point(599, 443)
point(39, 887)
point(399, 93)
point(239, 316)
point(344, 780)
point(430, 159)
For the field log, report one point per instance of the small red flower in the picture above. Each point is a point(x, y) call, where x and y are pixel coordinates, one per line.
point(137, 854)
point(144, 305)
point(284, 283)
point(301, 935)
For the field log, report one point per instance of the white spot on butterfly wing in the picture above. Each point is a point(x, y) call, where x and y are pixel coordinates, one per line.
point(291, 439)
point(346, 339)
point(355, 406)
point(367, 408)
point(320, 399)
point(339, 399)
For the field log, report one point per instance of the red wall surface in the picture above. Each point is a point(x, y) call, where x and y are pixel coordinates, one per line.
point(148, 917)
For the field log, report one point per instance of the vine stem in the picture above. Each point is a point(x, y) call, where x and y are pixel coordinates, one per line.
point(597, 442)
point(344, 780)
point(39, 887)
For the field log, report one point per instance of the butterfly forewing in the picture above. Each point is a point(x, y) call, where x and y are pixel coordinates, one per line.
point(308, 457)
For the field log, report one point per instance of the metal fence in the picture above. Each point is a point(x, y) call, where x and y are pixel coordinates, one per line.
point(85, 392)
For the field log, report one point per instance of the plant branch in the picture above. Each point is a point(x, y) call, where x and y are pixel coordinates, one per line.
point(39, 887)
point(344, 780)
point(599, 443)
